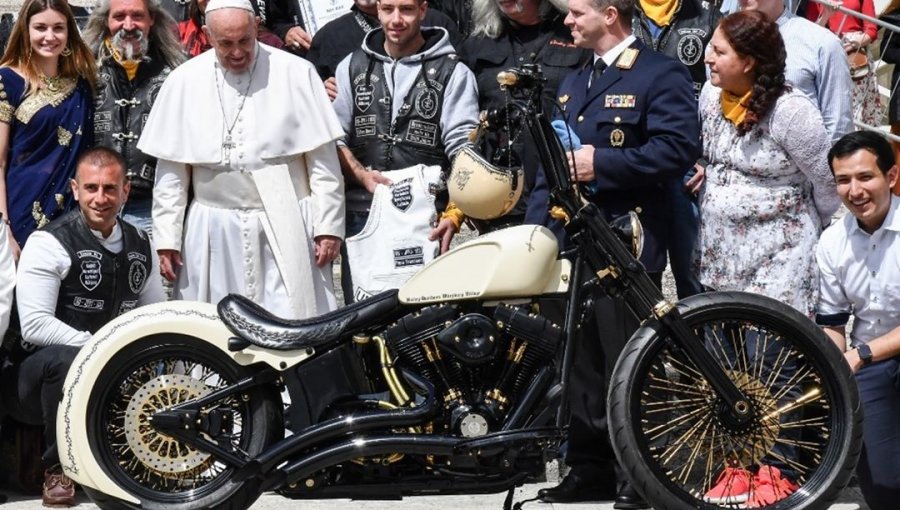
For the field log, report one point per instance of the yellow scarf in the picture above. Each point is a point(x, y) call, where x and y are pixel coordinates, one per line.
point(734, 108)
point(130, 66)
point(660, 11)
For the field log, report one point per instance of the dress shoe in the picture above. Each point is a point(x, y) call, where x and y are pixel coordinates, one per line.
point(629, 499)
point(578, 489)
point(59, 489)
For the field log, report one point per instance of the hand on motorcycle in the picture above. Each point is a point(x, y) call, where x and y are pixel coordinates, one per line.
point(327, 249)
point(444, 231)
point(169, 262)
point(581, 163)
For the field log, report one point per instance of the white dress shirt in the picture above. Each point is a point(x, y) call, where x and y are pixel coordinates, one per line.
point(860, 275)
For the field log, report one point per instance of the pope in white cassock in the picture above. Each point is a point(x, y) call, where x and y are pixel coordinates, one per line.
point(251, 131)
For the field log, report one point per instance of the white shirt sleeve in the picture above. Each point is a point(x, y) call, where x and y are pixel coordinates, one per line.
point(7, 279)
point(170, 197)
point(43, 265)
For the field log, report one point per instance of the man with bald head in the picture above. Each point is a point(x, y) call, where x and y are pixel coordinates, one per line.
point(258, 152)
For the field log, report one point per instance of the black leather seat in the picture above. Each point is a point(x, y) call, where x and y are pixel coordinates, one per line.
point(257, 326)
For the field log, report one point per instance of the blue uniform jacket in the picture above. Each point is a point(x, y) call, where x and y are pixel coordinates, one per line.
point(642, 121)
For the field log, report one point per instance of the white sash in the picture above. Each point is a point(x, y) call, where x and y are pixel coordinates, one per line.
point(282, 222)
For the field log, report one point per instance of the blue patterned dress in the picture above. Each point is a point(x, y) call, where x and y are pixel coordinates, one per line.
point(48, 131)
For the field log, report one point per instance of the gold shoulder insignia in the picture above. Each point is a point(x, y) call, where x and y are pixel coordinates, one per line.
point(627, 58)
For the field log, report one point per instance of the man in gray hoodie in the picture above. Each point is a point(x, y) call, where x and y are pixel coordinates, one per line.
point(403, 99)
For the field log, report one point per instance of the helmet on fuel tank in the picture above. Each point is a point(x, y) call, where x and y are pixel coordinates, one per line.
point(481, 190)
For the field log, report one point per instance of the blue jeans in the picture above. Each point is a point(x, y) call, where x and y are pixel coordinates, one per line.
point(684, 223)
point(878, 470)
point(138, 213)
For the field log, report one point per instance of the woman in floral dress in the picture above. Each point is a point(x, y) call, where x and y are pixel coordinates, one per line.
point(768, 191)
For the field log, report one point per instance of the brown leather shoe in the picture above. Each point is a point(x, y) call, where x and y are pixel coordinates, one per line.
point(59, 489)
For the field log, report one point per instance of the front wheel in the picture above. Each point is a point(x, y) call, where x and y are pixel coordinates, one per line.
point(155, 374)
point(676, 440)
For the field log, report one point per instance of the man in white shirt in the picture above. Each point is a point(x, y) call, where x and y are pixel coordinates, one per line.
point(74, 276)
point(859, 262)
point(816, 64)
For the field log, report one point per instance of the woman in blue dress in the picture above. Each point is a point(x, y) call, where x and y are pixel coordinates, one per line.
point(47, 78)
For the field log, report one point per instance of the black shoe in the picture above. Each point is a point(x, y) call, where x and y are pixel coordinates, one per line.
point(629, 499)
point(577, 489)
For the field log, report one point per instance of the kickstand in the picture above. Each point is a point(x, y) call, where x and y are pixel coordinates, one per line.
point(508, 502)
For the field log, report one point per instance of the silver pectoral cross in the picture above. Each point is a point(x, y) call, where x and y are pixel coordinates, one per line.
point(227, 145)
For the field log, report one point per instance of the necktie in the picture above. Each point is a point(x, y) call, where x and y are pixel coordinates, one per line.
point(599, 67)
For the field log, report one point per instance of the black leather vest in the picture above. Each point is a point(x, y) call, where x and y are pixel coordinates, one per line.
point(414, 136)
point(100, 285)
point(686, 37)
point(121, 110)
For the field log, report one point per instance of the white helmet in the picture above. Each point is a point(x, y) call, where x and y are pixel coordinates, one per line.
point(482, 190)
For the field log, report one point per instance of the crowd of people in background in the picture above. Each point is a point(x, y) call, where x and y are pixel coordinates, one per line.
point(221, 147)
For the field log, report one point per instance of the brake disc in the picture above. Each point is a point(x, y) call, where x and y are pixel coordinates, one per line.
point(158, 451)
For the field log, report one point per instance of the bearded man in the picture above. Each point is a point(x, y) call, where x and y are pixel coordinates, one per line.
point(136, 46)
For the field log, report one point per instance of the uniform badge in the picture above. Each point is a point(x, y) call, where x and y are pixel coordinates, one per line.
point(627, 58)
point(617, 138)
point(620, 101)
point(563, 99)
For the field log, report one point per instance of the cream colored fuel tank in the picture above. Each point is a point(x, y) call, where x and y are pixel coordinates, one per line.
point(515, 262)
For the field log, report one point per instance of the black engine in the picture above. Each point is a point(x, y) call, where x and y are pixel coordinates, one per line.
point(480, 364)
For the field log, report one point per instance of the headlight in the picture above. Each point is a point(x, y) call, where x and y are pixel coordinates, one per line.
point(628, 228)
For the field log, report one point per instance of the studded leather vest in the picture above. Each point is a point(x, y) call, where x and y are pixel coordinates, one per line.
point(121, 110)
point(414, 136)
point(100, 285)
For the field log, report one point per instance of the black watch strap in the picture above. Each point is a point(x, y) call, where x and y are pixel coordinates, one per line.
point(865, 353)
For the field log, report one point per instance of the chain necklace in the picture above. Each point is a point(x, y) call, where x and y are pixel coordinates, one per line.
point(52, 83)
point(228, 144)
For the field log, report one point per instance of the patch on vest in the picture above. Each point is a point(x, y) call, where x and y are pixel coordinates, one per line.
point(88, 304)
point(427, 103)
point(690, 49)
point(127, 306)
point(363, 96)
point(102, 122)
point(401, 194)
point(422, 133)
point(102, 90)
point(137, 276)
point(91, 275)
point(364, 125)
point(405, 257)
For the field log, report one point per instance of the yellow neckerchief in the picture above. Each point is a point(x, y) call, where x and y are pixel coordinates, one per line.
point(660, 11)
point(130, 66)
point(735, 108)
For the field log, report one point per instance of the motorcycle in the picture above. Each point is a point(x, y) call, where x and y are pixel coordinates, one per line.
point(454, 383)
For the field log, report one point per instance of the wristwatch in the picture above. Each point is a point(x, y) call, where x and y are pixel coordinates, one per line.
point(865, 354)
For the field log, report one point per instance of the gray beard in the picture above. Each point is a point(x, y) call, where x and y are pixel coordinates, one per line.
point(126, 47)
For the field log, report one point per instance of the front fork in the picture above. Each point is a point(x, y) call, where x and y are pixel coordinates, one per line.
point(601, 253)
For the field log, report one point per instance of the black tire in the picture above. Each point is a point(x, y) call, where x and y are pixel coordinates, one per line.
point(666, 433)
point(153, 374)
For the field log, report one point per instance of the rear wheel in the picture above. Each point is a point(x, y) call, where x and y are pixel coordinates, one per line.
point(674, 437)
point(155, 374)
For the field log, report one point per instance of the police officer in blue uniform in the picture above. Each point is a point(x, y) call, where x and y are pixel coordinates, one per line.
point(635, 116)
